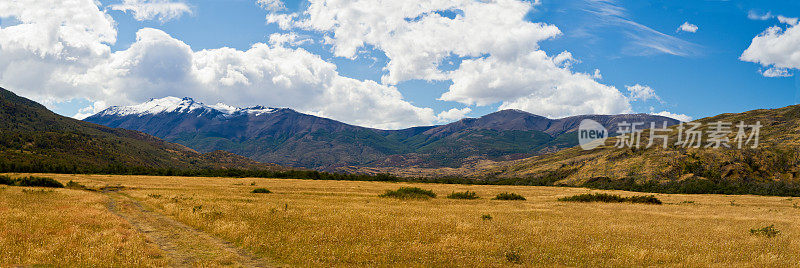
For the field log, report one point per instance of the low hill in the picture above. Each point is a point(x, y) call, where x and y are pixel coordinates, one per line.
point(32, 138)
point(287, 137)
point(776, 158)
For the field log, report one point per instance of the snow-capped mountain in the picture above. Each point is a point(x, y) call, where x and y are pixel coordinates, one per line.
point(182, 105)
point(287, 137)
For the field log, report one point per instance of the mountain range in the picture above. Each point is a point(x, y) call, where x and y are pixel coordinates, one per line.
point(32, 138)
point(287, 137)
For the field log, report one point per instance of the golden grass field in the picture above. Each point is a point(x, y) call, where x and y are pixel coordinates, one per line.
point(343, 223)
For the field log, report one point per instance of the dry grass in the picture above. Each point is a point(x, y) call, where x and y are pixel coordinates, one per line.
point(336, 223)
point(67, 228)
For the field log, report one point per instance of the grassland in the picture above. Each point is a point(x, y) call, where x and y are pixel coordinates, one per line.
point(346, 223)
point(63, 227)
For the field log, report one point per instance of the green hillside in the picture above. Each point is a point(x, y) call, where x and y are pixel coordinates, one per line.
point(33, 138)
point(774, 163)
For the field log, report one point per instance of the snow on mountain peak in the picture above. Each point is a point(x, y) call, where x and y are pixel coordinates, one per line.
point(181, 105)
point(259, 110)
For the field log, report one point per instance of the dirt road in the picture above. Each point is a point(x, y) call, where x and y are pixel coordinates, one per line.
point(183, 245)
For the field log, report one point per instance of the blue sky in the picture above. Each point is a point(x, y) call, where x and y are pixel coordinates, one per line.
point(696, 74)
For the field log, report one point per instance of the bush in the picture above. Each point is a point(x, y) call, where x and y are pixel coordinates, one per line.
point(609, 198)
point(463, 195)
point(6, 180)
point(409, 193)
point(644, 199)
point(261, 191)
point(514, 257)
point(508, 196)
point(76, 186)
point(38, 182)
point(768, 231)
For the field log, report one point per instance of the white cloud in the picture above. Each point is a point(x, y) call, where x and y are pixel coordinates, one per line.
point(453, 114)
point(776, 72)
point(787, 20)
point(60, 51)
point(687, 27)
point(635, 38)
point(532, 83)
point(776, 48)
point(271, 5)
point(60, 29)
point(157, 65)
point(754, 15)
point(63, 47)
point(679, 117)
point(162, 10)
point(416, 37)
point(50, 38)
point(642, 93)
point(291, 39)
point(596, 75)
point(501, 60)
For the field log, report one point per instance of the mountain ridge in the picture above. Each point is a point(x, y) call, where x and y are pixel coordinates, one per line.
point(288, 137)
point(34, 138)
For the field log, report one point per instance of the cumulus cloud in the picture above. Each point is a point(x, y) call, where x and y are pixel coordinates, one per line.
point(64, 48)
point(158, 64)
point(453, 114)
point(498, 47)
point(679, 117)
point(642, 93)
point(162, 10)
point(60, 51)
point(532, 83)
point(777, 49)
point(687, 27)
point(49, 39)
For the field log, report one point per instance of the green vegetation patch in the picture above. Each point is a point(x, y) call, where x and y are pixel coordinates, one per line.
point(31, 181)
point(409, 193)
point(508, 196)
point(768, 231)
point(612, 198)
point(261, 191)
point(463, 195)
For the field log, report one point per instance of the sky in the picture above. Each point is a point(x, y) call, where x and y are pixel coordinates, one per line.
point(395, 64)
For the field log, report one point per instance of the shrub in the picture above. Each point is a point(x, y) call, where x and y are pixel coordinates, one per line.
point(261, 191)
point(611, 198)
point(38, 182)
point(486, 217)
point(463, 195)
point(514, 257)
point(409, 193)
point(768, 231)
point(6, 180)
point(644, 199)
point(76, 186)
point(508, 196)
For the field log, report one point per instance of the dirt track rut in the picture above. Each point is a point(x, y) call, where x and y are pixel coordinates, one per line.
point(183, 245)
